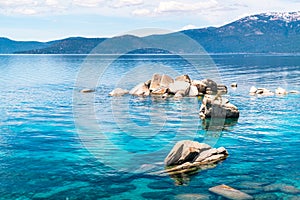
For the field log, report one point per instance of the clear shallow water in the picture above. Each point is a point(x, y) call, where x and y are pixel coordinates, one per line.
point(44, 155)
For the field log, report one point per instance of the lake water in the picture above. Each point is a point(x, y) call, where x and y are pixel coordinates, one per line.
point(58, 143)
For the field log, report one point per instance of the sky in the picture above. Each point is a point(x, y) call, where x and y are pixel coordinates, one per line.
point(45, 20)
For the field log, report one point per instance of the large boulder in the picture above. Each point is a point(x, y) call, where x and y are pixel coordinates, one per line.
point(208, 86)
point(185, 151)
point(193, 91)
point(140, 90)
point(155, 82)
point(215, 106)
point(185, 78)
point(222, 88)
point(179, 86)
point(211, 86)
point(189, 156)
point(118, 92)
point(159, 84)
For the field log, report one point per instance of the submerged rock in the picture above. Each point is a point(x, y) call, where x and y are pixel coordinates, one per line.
point(192, 197)
point(230, 193)
point(288, 189)
point(87, 90)
point(215, 106)
point(118, 92)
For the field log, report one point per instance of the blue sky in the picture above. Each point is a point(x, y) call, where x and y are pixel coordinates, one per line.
point(45, 20)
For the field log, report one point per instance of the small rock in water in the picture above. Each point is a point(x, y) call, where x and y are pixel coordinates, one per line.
point(294, 92)
point(230, 193)
point(118, 92)
point(87, 90)
point(253, 90)
point(234, 85)
point(280, 90)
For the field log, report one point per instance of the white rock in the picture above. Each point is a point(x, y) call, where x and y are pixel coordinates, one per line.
point(280, 90)
point(253, 90)
point(118, 92)
point(193, 91)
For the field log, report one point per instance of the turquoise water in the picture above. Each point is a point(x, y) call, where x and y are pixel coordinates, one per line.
point(53, 147)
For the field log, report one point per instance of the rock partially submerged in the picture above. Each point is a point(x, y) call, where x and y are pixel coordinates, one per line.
point(234, 85)
point(267, 92)
point(118, 92)
point(87, 90)
point(140, 90)
point(230, 193)
point(165, 86)
point(187, 156)
point(281, 91)
point(216, 106)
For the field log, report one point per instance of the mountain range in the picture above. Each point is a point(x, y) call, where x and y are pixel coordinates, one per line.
point(261, 33)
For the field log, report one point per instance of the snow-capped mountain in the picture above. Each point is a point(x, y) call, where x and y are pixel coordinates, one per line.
point(266, 32)
point(262, 33)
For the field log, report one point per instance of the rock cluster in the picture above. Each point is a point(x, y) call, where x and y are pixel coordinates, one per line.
point(189, 155)
point(217, 107)
point(267, 92)
point(181, 86)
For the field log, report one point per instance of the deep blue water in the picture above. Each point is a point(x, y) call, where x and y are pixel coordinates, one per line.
point(57, 143)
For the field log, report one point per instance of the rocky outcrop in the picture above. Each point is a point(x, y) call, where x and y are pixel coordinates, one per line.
point(118, 92)
point(230, 193)
point(216, 106)
point(189, 155)
point(165, 86)
point(265, 92)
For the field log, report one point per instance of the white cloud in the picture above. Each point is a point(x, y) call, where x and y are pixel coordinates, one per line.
point(176, 6)
point(124, 3)
point(189, 26)
point(141, 12)
point(51, 2)
point(87, 3)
